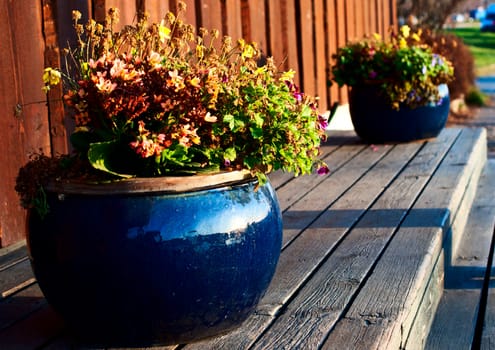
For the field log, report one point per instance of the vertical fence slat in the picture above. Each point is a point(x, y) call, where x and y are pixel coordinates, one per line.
point(291, 30)
point(233, 19)
point(320, 55)
point(156, 9)
point(385, 16)
point(52, 59)
point(283, 33)
point(332, 37)
point(341, 37)
point(276, 30)
point(366, 17)
point(254, 29)
point(307, 47)
point(360, 22)
point(211, 15)
point(350, 20)
point(127, 11)
point(393, 14)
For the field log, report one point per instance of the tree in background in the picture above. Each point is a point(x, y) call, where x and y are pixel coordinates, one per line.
point(427, 13)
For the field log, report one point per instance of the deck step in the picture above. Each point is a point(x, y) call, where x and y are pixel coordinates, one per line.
point(396, 305)
point(455, 320)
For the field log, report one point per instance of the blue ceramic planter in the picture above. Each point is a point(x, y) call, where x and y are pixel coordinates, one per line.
point(163, 267)
point(376, 122)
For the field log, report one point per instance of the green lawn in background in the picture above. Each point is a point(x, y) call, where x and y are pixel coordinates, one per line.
point(482, 45)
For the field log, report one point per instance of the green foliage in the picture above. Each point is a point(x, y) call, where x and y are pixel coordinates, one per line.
point(405, 69)
point(481, 45)
point(475, 97)
point(156, 99)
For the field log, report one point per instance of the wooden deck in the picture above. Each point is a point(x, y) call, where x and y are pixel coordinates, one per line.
point(363, 261)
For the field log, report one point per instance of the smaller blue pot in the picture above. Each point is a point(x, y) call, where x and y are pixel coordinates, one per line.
point(376, 122)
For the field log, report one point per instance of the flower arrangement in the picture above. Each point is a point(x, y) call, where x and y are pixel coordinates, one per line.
point(405, 69)
point(156, 99)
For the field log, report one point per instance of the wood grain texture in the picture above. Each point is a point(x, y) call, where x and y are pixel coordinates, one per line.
point(488, 338)
point(454, 323)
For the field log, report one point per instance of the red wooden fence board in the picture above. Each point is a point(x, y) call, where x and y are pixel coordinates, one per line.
point(23, 122)
point(320, 54)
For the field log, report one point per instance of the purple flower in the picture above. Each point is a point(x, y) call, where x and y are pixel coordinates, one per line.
point(437, 59)
point(226, 163)
point(323, 170)
point(290, 85)
point(298, 96)
point(373, 74)
point(322, 122)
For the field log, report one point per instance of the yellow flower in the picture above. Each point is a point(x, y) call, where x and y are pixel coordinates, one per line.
point(288, 75)
point(405, 31)
point(163, 32)
point(248, 51)
point(402, 43)
point(377, 36)
point(51, 77)
point(200, 51)
point(196, 82)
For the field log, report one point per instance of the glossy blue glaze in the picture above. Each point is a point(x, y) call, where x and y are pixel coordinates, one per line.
point(375, 122)
point(136, 270)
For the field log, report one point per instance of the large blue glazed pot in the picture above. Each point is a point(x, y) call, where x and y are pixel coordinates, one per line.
point(140, 262)
point(376, 122)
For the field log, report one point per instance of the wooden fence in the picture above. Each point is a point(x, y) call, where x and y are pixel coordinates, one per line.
point(299, 34)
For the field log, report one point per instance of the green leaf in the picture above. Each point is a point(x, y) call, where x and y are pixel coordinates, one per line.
point(82, 140)
point(230, 154)
point(100, 155)
point(256, 132)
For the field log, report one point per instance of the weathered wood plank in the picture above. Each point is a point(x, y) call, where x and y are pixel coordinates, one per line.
point(323, 300)
point(417, 336)
point(12, 253)
point(488, 338)
point(295, 190)
point(470, 259)
point(308, 208)
point(15, 276)
point(384, 310)
point(455, 320)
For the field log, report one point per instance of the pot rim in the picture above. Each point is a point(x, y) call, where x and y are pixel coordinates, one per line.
point(163, 184)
